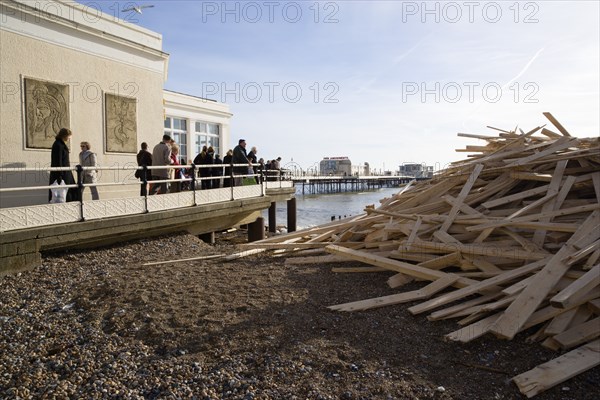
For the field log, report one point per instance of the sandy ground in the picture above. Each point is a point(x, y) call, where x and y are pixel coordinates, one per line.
point(100, 324)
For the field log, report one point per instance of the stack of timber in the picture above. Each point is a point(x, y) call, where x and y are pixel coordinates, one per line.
point(509, 240)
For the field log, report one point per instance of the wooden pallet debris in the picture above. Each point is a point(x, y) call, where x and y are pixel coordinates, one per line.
point(507, 239)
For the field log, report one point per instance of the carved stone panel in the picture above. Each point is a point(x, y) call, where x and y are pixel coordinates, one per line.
point(121, 124)
point(46, 112)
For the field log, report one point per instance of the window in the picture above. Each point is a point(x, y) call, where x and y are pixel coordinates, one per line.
point(207, 134)
point(177, 129)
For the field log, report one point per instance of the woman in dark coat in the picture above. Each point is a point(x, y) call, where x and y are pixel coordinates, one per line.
point(227, 161)
point(60, 158)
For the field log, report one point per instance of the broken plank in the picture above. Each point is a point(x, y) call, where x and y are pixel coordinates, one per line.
point(579, 334)
point(394, 265)
point(532, 296)
point(398, 298)
point(558, 370)
point(477, 287)
point(587, 282)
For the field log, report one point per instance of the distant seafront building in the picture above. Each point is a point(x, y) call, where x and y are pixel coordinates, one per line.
point(416, 170)
point(65, 64)
point(342, 166)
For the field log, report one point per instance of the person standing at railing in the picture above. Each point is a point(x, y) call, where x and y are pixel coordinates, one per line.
point(203, 158)
point(87, 158)
point(276, 168)
point(217, 172)
point(60, 158)
point(175, 173)
point(144, 157)
point(161, 156)
point(253, 160)
point(227, 162)
point(261, 168)
point(240, 157)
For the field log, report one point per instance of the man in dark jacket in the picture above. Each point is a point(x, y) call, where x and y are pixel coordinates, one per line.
point(240, 157)
point(217, 171)
point(144, 157)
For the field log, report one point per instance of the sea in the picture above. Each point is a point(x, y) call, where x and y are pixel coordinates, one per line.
point(318, 209)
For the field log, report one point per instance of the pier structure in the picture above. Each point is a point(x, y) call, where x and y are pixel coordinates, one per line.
point(339, 184)
point(27, 231)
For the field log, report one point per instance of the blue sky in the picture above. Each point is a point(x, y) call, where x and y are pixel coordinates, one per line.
point(384, 82)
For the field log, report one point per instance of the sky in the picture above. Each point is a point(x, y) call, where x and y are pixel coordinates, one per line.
point(383, 82)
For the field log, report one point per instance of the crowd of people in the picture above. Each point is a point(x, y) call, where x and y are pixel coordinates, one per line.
point(212, 171)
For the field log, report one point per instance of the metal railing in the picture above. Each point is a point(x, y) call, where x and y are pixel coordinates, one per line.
point(241, 185)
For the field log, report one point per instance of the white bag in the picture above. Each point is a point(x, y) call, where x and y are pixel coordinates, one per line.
point(59, 192)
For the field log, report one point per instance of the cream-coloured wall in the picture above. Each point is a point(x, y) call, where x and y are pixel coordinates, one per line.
point(88, 75)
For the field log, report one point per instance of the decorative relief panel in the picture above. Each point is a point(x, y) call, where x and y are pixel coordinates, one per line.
point(120, 123)
point(170, 201)
point(46, 112)
point(113, 207)
point(243, 192)
point(33, 216)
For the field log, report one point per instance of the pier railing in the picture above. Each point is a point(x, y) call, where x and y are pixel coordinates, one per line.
point(242, 186)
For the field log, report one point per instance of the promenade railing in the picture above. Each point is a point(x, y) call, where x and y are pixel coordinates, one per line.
point(190, 194)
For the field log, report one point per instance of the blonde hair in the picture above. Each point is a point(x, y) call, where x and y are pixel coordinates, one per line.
point(86, 144)
point(175, 147)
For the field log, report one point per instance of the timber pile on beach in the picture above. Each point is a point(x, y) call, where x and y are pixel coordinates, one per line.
point(509, 237)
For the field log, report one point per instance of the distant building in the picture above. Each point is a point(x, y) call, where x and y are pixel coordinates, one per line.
point(361, 170)
point(335, 166)
point(416, 170)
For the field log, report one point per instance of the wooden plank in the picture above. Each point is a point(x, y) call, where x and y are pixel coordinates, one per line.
point(561, 322)
point(539, 235)
point(550, 134)
point(559, 144)
point(394, 265)
point(243, 254)
point(210, 257)
point(580, 334)
point(557, 124)
point(586, 251)
point(516, 196)
point(481, 250)
point(473, 331)
point(477, 287)
point(399, 280)
point(358, 269)
point(578, 288)
point(398, 298)
point(558, 370)
point(461, 197)
point(330, 258)
point(532, 296)
point(441, 262)
point(528, 218)
point(450, 312)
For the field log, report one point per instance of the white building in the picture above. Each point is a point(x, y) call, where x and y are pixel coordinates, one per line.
point(335, 166)
point(194, 122)
point(415, 170)
point(66, 64)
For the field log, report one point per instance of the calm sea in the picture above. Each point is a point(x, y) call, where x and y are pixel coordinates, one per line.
point(317, 209)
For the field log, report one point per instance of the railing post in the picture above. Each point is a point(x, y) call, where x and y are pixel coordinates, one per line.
point(193, 183)
point(145, 186)
point(79, 169)
point(231, 181)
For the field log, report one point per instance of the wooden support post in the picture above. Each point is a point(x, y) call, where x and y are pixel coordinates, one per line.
point(272, 217)
point(291, 215)
point(256, 230)
point(208, 237)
